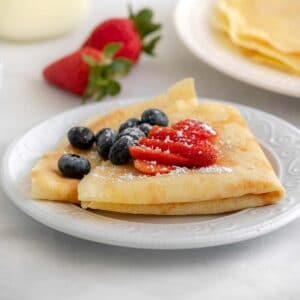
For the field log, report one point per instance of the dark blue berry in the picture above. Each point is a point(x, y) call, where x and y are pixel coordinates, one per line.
point(154, 116)
point(98, 133)
point(132, 122)
point(104, 141)
point(119, 152)
point(134, 132)
point(145, 127)
point(73, 166)
point(81, 137)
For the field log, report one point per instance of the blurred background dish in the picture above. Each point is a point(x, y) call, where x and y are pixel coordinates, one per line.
point(266, 38)
point(29, 20)
point(193, 23)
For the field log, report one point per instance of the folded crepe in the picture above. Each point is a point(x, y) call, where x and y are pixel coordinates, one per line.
point(242, 177)
point(248, 27)
point(272, 21)
point(47, 183)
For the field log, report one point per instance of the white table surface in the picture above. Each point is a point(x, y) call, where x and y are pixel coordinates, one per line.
point(39, 263)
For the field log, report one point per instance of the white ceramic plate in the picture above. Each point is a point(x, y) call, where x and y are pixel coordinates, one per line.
point(192, 21)
point(280, 140)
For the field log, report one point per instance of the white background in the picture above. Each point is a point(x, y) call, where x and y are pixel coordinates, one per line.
point(40, 263)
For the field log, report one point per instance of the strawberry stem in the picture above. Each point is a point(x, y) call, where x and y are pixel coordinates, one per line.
point(103, 73)
point(145, 27)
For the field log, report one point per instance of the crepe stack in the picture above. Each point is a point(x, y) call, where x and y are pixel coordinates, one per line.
point(242, 177)
point(265, 30)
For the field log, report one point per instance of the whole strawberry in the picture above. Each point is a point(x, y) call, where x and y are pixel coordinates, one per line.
point(88, 72)
point(133, 33)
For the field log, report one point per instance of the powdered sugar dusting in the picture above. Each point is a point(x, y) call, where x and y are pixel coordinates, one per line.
point(225, 143)
point(208, 128)
point(167, 139)
point(127, 176)
point(179, 133)
point(177, 171)
point(204, 170)
point(215, 169)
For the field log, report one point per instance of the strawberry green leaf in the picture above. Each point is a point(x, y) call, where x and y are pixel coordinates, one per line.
point(107, 71)
point(111, 49)
point(89, 60)
point(145, 27)
point(145, 15)
point(103, 74)
point(144, 23)
point(121, 66)
point(150, 46)
point(150, 28)
point(130, 12)
point(113, 88)
point(101, 94)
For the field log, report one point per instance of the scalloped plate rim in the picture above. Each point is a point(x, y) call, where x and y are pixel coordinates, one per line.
point(130, 241)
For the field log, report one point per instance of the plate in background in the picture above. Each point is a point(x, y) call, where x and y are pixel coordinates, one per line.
point(192, 22)
point(280, 140)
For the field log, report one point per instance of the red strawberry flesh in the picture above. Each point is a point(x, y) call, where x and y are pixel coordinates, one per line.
point(88, 72)
point(194, 128)
point(163, 133)
point(151, 168)
point(159, 156)
point(187, 143)
point(204, 152)
point(71, 72)
point(117, 30)
point(137, 33)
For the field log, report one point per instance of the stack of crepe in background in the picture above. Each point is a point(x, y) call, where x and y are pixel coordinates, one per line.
point(266, 31)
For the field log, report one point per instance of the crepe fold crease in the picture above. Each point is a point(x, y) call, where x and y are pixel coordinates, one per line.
point(242, 178)
point(264, 30)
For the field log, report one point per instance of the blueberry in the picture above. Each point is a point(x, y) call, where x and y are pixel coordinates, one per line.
point(145, 127)
point(73, 166)
point(134, 132)
point(81, 137)
point(105, 139)
point(132, 122)
point(154, 116)
point(119, 152)
point(98, 133)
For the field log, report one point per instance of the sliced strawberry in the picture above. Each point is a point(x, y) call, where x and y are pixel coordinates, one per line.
point(187, 143)
point(161, 157)
point(194, 129)
point(163, 133)
point(170, 134)
point(150, 168)
point(200, 152)
point(172, 147)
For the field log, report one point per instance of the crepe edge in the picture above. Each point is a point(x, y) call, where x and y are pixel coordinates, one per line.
point(190, 208)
